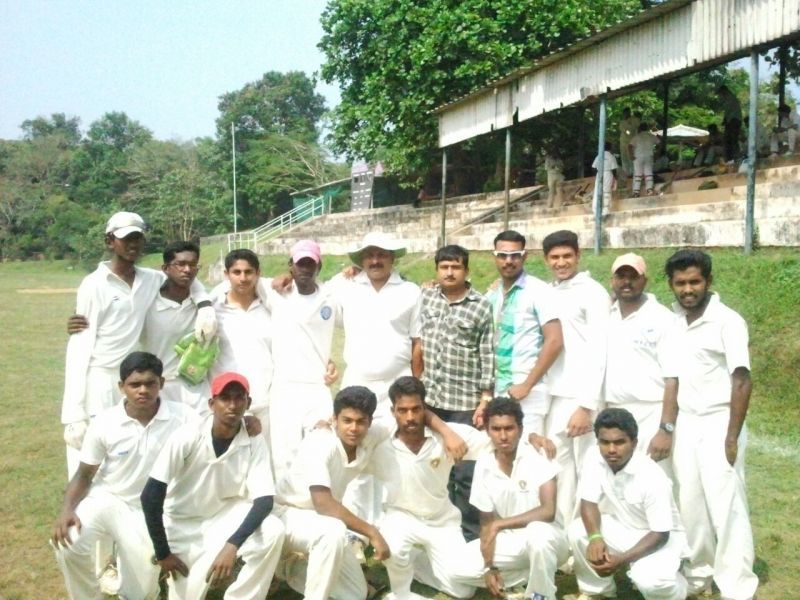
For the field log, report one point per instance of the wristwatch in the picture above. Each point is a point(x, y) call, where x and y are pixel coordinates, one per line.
point(489, 568)
point(668, 427)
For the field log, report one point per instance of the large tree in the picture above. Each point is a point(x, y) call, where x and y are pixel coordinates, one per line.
point(276, 120)
point(395, 60)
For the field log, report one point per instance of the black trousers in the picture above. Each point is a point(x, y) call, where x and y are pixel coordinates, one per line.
point(460, 483)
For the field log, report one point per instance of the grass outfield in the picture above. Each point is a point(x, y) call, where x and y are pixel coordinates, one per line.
point(35, 299)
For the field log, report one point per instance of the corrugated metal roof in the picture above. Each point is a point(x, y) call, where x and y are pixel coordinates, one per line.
point(674, 38)
point(641, 17)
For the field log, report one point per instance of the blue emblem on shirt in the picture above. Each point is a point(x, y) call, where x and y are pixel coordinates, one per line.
point(325, 312)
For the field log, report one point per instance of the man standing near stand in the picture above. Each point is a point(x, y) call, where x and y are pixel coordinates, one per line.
point(528, 337)
point(576, 378)
point(711, 363)
point(637, 331)
point(458, 359)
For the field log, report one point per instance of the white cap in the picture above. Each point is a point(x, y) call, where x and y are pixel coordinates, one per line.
point(122, 224)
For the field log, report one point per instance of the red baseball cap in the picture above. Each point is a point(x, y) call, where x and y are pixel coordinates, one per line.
point(224, 379)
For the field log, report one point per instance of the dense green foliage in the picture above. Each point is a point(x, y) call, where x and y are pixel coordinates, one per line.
point(58, 184)
point(395, 60)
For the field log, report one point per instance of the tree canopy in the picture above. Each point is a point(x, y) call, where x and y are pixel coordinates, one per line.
point(395, 60)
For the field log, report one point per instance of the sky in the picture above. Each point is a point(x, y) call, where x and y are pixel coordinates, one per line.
point(164, 63)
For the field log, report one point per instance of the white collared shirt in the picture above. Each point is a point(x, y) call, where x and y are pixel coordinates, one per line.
point(378, 325)
point(639, 495)
point(125, 449)
point(166, 322)
point(200, 483)
point(637, 353)
point(321, 460)
point(583, 310)
point(116, 313)
point(704, 355)
point(417, 483)
point(303, 327)
point(245, 346)
point(506, 496)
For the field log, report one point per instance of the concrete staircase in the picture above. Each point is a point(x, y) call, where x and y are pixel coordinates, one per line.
point(682, 216)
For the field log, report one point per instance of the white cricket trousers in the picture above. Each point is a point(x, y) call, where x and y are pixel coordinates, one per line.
point(531, 554)
point(608, 187)
point(713, 505)
point(102, 392)
point(648, 418)
point(364, 495)
point(570, 452)
point(789, 136)
point(106, 516)
point(657, 576)
point(198, 541)
point(294, 410)
point(315, 560)
point(193, 396)
point(642, 169)
point(441, 545)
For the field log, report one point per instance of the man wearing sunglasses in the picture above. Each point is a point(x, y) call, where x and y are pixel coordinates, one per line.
point(528, 336)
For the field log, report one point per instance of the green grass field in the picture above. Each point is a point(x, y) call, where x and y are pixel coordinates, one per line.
point(36, 298)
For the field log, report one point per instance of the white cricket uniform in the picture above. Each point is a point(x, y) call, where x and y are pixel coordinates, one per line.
point(531, 554)
point(555, 175)
point(609, 165)
point(643, 144)
point(633, 502)
point(315, 544)
point(627, 129)
point(790, 125)
point(378, 329)
point(519, 315)
point(576, 378)
point(116, 313)
point(125, 451)
point(303, 328)
point(637, 354)
point(418, 511)
point(207, 499)
point(245, 346)
point(712, 495)
point(166, 323)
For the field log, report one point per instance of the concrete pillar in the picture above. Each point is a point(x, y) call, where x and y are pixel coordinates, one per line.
point(749, 218)
point(598, 188)
point(442, 232)
point(507, 188)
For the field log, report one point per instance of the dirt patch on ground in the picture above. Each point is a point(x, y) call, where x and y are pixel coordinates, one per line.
point(47, 290)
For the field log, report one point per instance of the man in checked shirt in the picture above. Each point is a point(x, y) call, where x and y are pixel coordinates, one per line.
point(458, 361)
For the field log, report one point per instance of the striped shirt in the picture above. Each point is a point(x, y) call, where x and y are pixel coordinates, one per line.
point(458, 349)
point(519, 315)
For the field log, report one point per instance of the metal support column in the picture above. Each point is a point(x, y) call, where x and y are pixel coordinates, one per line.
point(665, 119)
point(782, 52)
point(598, 188)
point(507, 188)
point(581, 139)
point(749, 219)
point(442, 241)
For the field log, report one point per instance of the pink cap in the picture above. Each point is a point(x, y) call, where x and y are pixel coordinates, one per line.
point(305, 249)
point(224, 379)
point(630, 260)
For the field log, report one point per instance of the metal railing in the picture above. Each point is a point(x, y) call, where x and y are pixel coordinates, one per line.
point(315, 207)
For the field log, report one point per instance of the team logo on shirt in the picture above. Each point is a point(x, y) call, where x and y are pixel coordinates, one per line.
point(435, 463)
point(523, 485)
point(325, 312)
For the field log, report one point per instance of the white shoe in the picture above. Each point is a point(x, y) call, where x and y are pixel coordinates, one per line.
point(109, 581)
point(356, 546)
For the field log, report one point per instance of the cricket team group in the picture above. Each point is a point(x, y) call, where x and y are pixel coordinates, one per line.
point(477, 440)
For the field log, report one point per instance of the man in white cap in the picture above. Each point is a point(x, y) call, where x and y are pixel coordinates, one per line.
point(637, 333)
point(114, 299)
point(303, 321)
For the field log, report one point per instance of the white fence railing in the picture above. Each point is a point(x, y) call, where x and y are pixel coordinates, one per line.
point(315, 207)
